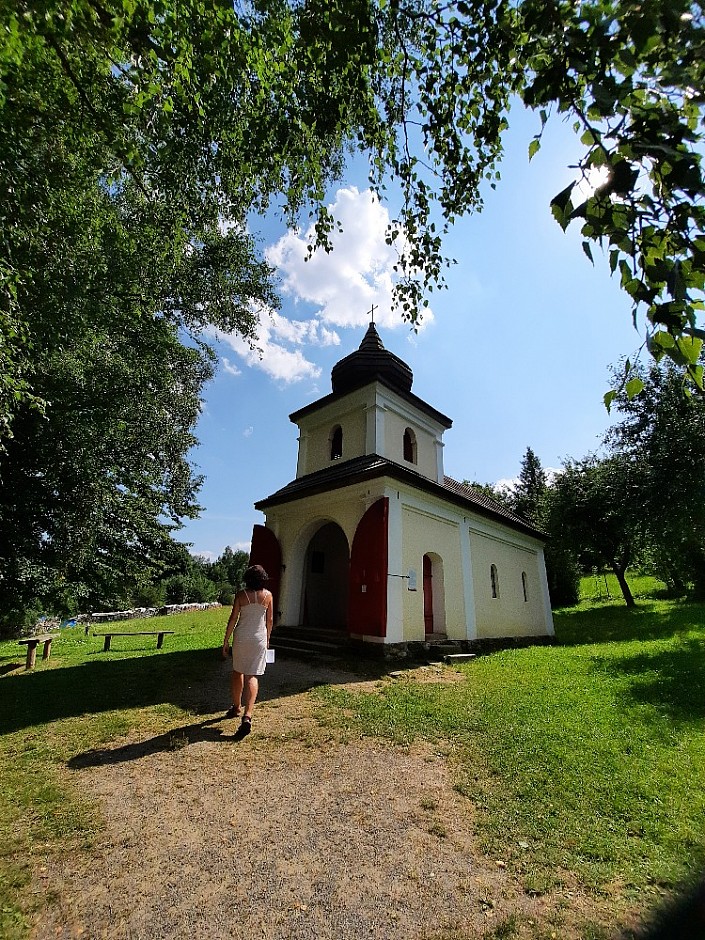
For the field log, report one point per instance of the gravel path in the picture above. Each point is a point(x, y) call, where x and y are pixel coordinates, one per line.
point(294, 833)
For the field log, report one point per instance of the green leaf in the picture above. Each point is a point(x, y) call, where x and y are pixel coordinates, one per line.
point(608, 398)
point(633, 388)
point(561, 206)
point(690, 347)
point(534, 148)
point(663, 339)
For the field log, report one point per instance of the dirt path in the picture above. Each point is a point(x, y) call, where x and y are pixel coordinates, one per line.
point(294, 833)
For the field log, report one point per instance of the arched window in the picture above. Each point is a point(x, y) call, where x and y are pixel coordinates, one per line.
point(523, 586)
point(336, 443)
point(494, 580)
point(409, 446)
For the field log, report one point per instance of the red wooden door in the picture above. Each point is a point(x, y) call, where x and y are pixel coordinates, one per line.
point(266, 551)
point(369, 567)
point(427, 594)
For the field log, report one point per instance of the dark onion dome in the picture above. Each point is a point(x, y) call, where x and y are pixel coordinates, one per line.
point(371, 361)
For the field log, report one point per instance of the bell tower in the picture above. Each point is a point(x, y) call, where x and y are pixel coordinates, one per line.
point(371, 411)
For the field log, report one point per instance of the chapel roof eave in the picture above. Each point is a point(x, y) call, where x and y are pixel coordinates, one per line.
point(409, 397)
point(372, 466)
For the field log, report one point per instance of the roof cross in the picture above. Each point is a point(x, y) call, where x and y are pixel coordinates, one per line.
point(372, 311)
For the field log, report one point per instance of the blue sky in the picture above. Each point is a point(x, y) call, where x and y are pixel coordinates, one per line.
point(515, 352)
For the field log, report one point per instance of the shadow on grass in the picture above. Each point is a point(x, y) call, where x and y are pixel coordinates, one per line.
point(197, 680)
point(10, 667)
point(172, 740)
point(619, 624)
point(672, 680)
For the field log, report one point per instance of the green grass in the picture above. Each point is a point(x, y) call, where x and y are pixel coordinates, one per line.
point(604, 588)
point(78, 701)
point(584, 761)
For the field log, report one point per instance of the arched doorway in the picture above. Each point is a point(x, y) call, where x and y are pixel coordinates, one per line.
point(434, 603)
point(325, 582)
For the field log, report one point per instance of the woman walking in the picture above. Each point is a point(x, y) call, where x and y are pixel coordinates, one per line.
point(250, 625)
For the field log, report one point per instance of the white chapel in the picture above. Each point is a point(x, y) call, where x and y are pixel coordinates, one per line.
point(373, 541)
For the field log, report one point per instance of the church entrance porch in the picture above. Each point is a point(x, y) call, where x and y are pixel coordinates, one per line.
point(325, 580)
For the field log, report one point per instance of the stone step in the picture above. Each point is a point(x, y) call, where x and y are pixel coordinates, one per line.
point(309, 643)
point(311, 633)
point(309, 651)
point(452, 658)
point(281, 642)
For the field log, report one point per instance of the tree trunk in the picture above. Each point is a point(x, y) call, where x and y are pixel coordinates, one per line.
point(626, 592)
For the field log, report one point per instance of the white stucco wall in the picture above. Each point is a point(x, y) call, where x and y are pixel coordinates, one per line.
point(508, 614)
point(394, 427)
point(419, 523)
point(426, 532)
point(318, 437)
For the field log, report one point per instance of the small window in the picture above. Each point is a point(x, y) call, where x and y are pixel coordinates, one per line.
point(409, 446)
point(494, 580)
point(336, 443)
point(523, 586)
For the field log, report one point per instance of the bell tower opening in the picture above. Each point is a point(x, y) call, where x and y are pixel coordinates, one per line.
point(325, 580)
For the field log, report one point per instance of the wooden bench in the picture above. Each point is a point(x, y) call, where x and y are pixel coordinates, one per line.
point(32, 642)
point(160, 634)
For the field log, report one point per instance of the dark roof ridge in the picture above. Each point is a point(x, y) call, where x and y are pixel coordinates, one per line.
point(477, 496)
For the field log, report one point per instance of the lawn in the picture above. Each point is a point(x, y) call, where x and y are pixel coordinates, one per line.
point(585, 761)
point(81, 698)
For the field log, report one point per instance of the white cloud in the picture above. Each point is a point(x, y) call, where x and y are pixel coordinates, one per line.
point(342, 285)
point(301, 331)
point(248, 432)
point(507, 485)
point(227, 225)
point(230, 367)
point(282, 364)
point(359, 271)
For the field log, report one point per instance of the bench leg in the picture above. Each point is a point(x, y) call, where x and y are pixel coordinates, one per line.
point(31, 655)
point(106, 642)
point(47, 649)
point(160, 640)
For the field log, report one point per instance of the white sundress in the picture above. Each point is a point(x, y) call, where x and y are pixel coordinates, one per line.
point(250, 638)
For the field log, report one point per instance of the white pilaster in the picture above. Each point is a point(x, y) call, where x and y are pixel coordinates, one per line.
point(468, 582)
point(395, 585)
point(374, 442)
point(439, 460)
point(303, 454)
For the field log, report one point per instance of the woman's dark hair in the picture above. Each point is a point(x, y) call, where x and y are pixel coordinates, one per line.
point(255, 578)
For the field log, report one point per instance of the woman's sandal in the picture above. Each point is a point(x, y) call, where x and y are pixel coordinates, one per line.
point(244, 729)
